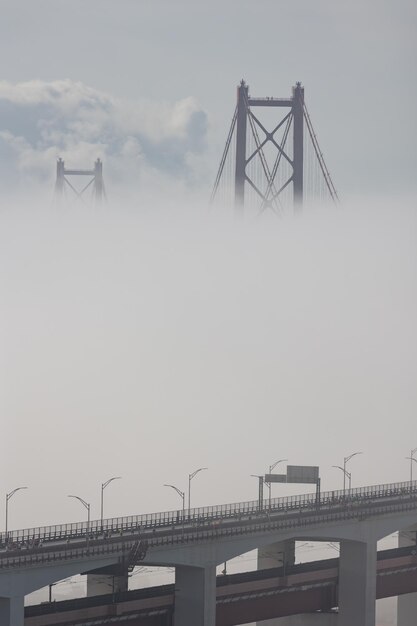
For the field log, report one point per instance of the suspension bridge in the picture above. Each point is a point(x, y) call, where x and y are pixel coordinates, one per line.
point(65, 181)
point(272, 162)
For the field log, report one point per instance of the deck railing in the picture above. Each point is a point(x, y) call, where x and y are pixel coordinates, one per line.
point(174, 519)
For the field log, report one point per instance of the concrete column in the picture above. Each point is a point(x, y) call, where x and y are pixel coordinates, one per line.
point(407, 604)
point(357, 583)
point(12, 611)
point(195, 596)
point(102, 584)
point(276, 555)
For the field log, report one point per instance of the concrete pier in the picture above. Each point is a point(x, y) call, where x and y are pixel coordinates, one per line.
point(407, 604)
point(278, 554)
point(195, 596)
point(12, 611)
point(357, 583)
point(282, 554)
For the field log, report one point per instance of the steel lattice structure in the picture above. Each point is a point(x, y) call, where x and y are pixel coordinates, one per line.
point(268, 177)
point(96, 181)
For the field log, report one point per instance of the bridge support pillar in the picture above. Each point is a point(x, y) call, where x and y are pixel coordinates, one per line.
point(12, 611)
point(279, 554)
point(357, 583)
point(195, 596)
point(407, 604)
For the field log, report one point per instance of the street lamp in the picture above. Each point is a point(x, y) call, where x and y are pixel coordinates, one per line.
point(411, 457)
point(346, 475)
point(182, 496)
point(190, 477)
point(345, 460)
point(87, 506)
point(271, 468)
point(8, 496)
point(103, 486)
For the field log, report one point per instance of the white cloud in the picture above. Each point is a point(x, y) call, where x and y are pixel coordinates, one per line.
point(40, 121)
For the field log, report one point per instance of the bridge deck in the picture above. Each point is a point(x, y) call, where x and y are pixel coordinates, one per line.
point(134, 535)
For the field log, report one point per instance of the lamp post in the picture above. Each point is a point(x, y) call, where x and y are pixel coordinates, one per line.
point(103, 486)
point(182, 496)
point(8, 496)
point(190, 477)
point(346, 475)
point(271, 468)
point(87, 506)
point(411, 457)
point(345, 460)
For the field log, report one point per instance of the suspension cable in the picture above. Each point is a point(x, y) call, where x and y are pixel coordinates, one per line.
point(320, 158)
point(225, 152)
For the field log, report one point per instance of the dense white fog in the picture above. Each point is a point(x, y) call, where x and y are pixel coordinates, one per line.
point(148, 342)
point(145, 342)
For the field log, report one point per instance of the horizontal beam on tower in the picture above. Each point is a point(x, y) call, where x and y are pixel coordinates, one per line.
point(270, 102)
point(95, 174)
point(79, 172)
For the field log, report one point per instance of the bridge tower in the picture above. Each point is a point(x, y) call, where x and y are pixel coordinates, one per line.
point(95, 182)
point(271, 162)
point(298, 142)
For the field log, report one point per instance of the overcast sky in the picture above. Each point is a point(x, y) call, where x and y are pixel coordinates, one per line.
point(157, 71)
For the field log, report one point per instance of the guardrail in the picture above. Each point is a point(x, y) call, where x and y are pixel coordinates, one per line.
point(67, 552)
point(266, 523)
point(175, 519)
